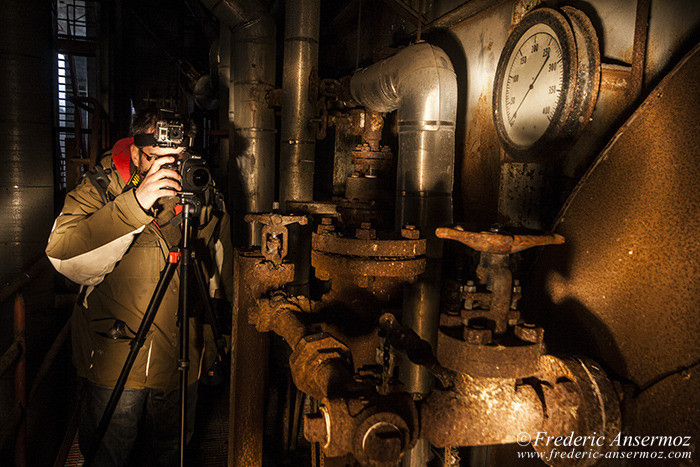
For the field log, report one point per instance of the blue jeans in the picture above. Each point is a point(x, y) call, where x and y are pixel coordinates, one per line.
point(145, 427)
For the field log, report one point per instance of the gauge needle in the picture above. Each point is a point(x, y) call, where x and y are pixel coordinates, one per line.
point(529, 88)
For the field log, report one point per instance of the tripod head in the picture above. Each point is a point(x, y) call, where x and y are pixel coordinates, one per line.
point(192, 204)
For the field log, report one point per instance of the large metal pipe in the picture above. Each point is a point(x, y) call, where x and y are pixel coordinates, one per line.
point(26, 136)
point(298, 138)
point(251, 123)
point(420, 83)
point(576, 396)
point(223, 71)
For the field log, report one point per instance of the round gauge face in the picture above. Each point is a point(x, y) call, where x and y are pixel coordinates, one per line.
point(532, 88)
point(546, 83)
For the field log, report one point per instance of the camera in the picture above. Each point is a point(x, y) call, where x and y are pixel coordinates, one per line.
point(195, 174)
point(169, 133)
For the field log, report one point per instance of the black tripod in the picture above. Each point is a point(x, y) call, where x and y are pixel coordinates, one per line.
point(184, 256)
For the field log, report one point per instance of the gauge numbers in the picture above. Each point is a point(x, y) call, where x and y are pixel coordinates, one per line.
point(546, 83)
point(533, 85)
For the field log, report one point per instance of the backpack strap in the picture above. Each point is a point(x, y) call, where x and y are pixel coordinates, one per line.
point(98, 176)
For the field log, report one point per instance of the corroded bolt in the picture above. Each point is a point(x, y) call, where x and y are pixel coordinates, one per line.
point(315, 429)
point(477, 335)
point(529, 333)
point(363, 281)
point(409, 231)
point(516, 286)
point(366, 232)
point(326, 226)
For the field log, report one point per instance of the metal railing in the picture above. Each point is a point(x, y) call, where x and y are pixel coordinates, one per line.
point(15, 423)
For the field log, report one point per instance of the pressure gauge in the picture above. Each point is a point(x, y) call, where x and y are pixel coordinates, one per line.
point(546, 83)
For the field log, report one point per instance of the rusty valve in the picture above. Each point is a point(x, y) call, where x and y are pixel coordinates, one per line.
point(497, 243)
point(493, 272)
point(275, 234)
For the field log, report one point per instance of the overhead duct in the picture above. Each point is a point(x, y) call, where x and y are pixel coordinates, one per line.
point(298, 138)
point(420, 83)
point(251, 123)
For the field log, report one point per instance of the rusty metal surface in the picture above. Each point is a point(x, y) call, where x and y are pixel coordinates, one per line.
point(376, 430)
point(253, 276)
point(626, 282)
point(588, 74)
point(326, 264)
point(417, 350)
point(491, 242)
point(368, 248)
point(321, 366)
point(639, 47)
point(565, 396)
point(519, 359)
point(274, 236)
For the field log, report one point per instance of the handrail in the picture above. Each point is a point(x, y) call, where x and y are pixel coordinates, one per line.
point(9, 357)
point(9, 288)
point(16, 423)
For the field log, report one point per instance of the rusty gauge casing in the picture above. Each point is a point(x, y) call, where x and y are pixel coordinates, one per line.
point(546, 83)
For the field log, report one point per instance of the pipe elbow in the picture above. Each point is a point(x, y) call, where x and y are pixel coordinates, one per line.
point(419, 82)
point(250, 16)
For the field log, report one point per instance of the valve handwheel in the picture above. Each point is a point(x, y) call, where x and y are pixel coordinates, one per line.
point(497, 243)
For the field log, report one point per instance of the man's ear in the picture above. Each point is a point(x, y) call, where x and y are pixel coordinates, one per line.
point(135, 155)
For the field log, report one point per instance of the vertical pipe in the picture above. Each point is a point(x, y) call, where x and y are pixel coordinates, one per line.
point(249, 351)
point(420, 83)
point(251, 165)
point(298, 139)
point(251, 161)
point(641, 26)
point(21, 380)
point(224, 76)
point(27, 81)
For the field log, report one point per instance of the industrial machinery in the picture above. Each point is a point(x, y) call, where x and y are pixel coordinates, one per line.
point(465, 228)
point(397, 353)
point(391, 368)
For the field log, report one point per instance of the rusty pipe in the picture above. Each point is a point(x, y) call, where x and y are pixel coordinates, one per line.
point(419, 83)
point(570, 395)
point(298, 136)
point(20, 328)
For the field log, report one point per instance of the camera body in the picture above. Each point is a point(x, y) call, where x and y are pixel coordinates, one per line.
point(195, 174)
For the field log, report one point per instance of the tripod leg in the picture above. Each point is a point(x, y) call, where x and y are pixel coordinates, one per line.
point(136, 345)
point(215, 326)
point(184, 318)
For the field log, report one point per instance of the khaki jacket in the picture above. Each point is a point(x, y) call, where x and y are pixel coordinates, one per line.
point(116, 252)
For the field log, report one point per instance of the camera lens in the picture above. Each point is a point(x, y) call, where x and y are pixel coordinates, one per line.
point(200, 177)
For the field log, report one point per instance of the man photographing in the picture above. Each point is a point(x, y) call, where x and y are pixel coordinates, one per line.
point(114, 236)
